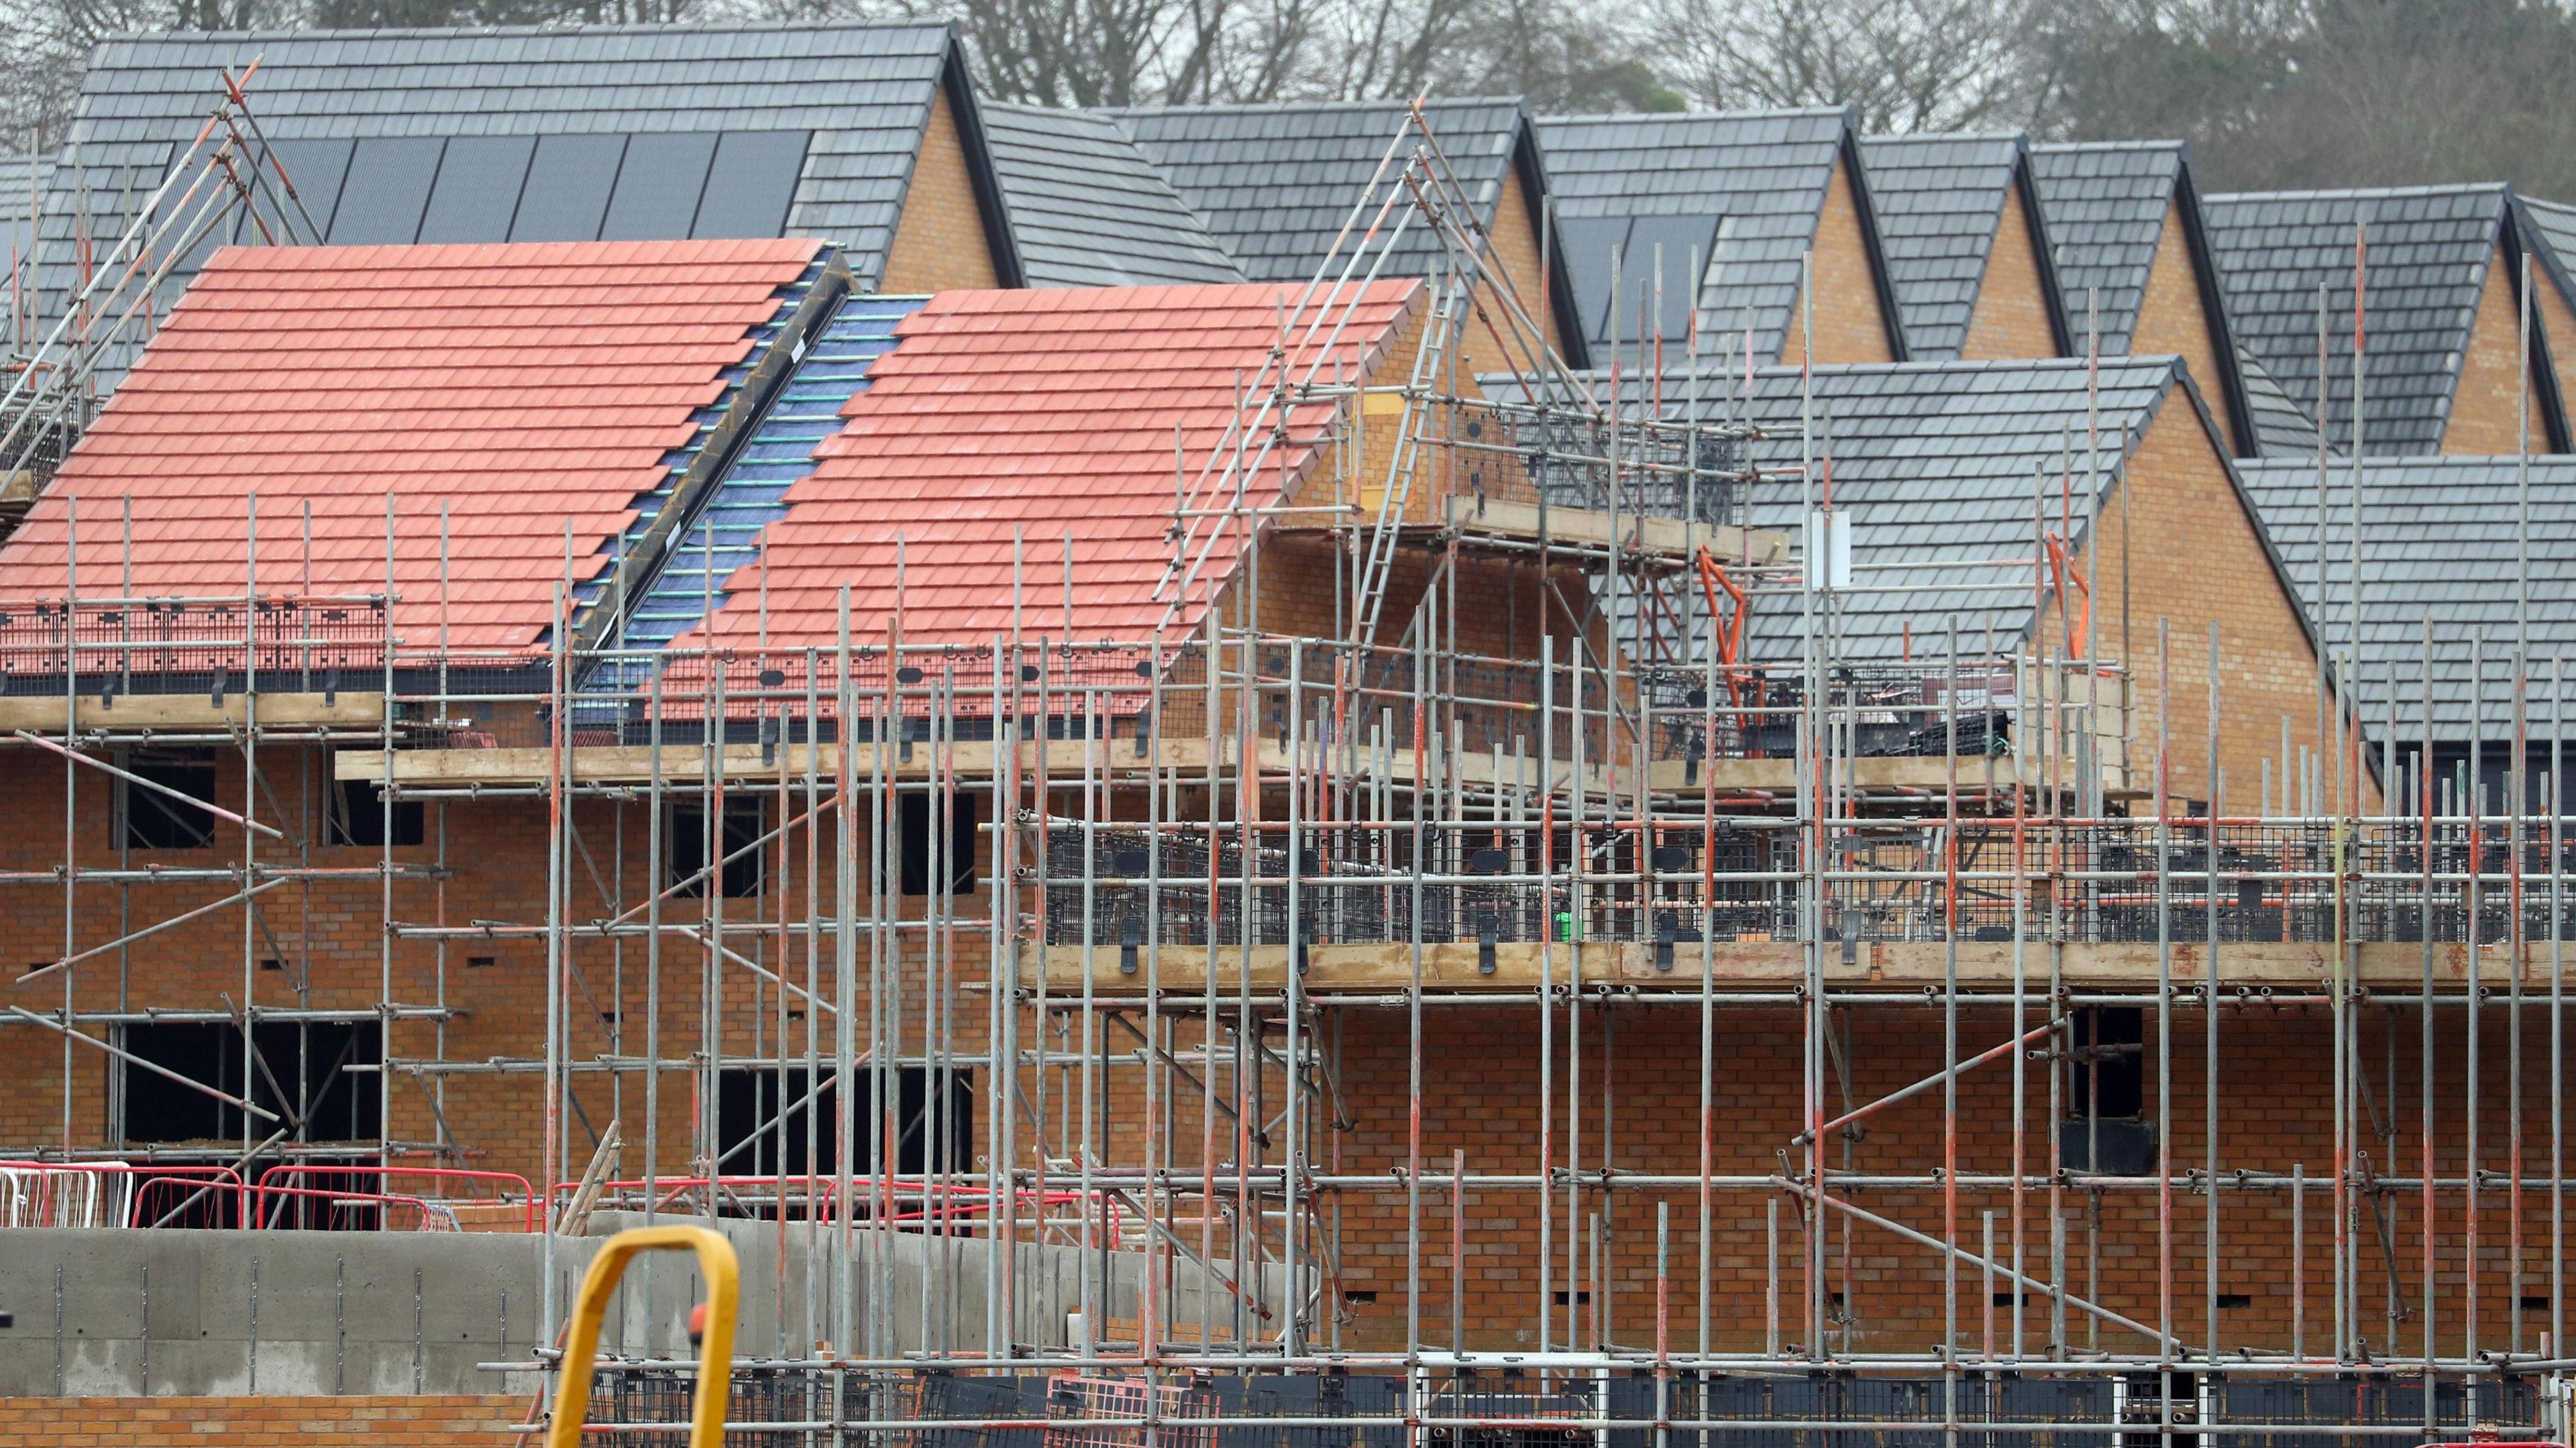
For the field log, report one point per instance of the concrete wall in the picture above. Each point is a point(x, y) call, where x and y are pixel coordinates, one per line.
point(213, 1314)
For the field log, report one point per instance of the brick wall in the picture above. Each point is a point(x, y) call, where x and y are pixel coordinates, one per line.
point(257, 1422)
point(1630, 1087)
point(1850, 326)
point(2011, 316)
point(2556, 321)
point(2484, 400)
point(2173, 318)
point(326, 937)
point(940, 243)
point(1515, 255)
point(2192, 558)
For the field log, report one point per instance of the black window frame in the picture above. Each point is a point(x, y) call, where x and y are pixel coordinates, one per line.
point(684, 849)
point(147, 819)
point(912, 843)
point(356, 814)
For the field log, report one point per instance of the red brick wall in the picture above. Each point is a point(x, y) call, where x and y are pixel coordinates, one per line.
point(257, 1422)
point(1639, 1088)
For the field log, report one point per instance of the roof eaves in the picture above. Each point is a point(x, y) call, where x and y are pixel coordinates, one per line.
point(2542, 375)
point(2499, 224)
point(1857, 177)
point(2036, 220)
point(957, 79)
point(2213, 307)
point(1530, 164)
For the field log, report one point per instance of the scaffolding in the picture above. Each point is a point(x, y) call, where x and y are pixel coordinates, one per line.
point(1084, 930)
point(81, 315)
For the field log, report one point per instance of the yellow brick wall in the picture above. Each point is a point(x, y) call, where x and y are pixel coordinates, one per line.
point(1850, 327)
point(941, 242)
point(2192, 558)
point(2011, 317)
point(1516, 255)
point(2172, 319)
point(2558, 323)
point(2483, 405)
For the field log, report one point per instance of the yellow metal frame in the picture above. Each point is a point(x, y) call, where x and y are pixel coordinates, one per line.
point(715, 1352)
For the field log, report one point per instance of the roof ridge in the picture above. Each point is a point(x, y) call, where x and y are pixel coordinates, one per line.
point(2148, 361)
point(2165, 145)
point(2015, 135)
point(1248, 108)
point(2454, 188)
point(1752, 114)
point(461, 32)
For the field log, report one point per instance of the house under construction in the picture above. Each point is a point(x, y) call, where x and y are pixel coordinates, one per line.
point(1332, 870)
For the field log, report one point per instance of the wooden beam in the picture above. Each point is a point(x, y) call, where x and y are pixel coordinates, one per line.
point(2293, 968)
point(177, 713)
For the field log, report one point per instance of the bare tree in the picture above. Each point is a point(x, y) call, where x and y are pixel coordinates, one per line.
point(2286, 94)
point(1901, 65)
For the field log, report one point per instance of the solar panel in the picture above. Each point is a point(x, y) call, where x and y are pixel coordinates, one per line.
point(388, 189)
point(751, 184)
point(567, 191)
point(658, 186)
point(1588, 240)
point(317, 168)
point(1685, 240)
point(478, 188)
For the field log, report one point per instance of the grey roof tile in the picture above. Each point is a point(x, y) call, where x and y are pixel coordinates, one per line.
point(2283, 429)
point(2441, 540)
point(1757, 179)
point(1275, 184)
point(1981, 431)
point(1088, 209)
point(1939, 199)
point(2429, 253)
point(864, 92)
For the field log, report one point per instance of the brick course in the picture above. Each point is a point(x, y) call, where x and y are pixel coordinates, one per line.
point(272, 1422)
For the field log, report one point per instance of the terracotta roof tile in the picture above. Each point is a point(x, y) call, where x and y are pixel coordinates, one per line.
point(526, 387)
point(1050, 410)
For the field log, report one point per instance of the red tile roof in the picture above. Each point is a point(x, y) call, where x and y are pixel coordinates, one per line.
point(1053, 411)
point(526, 387)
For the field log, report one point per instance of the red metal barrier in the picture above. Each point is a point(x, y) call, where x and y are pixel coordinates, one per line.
point(915, 1195)
point(429, 1210)
point(146, 1177)
point(386, 1174)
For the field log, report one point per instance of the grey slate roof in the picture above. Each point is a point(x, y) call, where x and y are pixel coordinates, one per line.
point(1939, 199)
point(1933, 463)
point(1088, 209)
point(2281, 429)
point(1754, 180)
point(834, 111)
point(2105, 205)
point(2429, 253)
point(1276, 183)
point(2106, 208)
point(2551, 228)
point(15, 213)
point(2438, 539)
